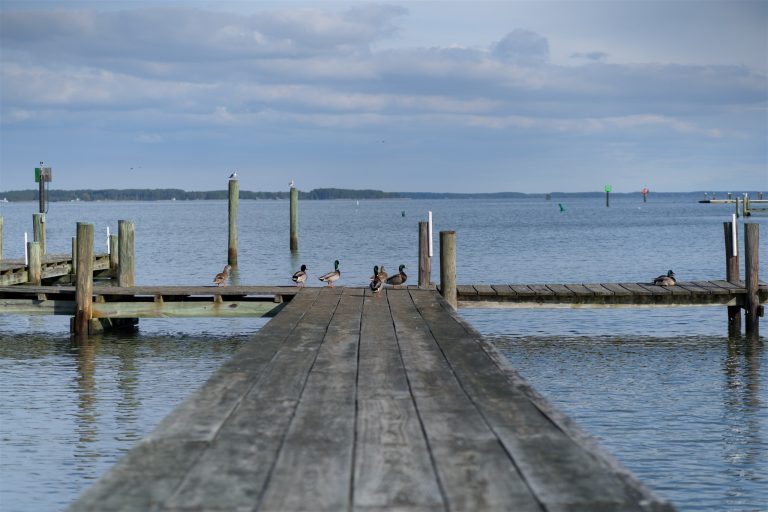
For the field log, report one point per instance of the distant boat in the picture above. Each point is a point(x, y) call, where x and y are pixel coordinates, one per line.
point(5, 200)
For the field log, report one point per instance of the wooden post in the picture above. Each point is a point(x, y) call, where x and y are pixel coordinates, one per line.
point(607, 199)
point(38, 230)
point(1, 238)
point(84, 280)
point(425, 262)
point(448, 267)
point(737, 206)
point(35, 268)
point(745, 206)
point(294, 219)
point(74, 257)
point(751, 267)
point(234, 196)
point(41, 194)
point(732, 274)
point(126, 256)
point(113, 255)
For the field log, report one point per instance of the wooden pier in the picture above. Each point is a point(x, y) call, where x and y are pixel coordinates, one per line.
point(595, 295)
point(349, 401)
point(14, 272)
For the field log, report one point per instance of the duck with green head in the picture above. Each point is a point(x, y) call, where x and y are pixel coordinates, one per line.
point(300, 277)
point(399, 278)
point(332, 277)
point(376, 282)
point(666, 280)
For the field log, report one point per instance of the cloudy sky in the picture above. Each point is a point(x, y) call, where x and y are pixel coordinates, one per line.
point(399, 96)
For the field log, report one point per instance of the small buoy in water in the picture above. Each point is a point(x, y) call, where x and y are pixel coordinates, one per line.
point(402, 213)
point(562, 208)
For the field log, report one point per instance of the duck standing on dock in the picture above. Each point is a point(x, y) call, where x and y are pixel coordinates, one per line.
point(223, 276)
point(399, 278)
point(300, 277)
point(382, 274)
point(376, 282)
point(331, 277)
point(666, 280)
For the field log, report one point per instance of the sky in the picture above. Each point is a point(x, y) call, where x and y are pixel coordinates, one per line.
point(522, 96)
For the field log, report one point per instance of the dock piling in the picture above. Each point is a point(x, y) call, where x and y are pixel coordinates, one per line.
point(425, 261)
point(1, 238)
point(38, 230)
point(448, 267)
point(731, 233)
point(234, 197)
point(294, 219)
point(126, 264)
point(751, 278)
point(35, 268)
point(114, 255)
point(84, 279)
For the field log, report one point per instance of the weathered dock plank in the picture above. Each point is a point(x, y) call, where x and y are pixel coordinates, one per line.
point(349, 400)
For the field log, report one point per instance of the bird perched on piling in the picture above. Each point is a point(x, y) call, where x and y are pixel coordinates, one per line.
point(233, 176)
point(301, 276)
point(399, 278)
point(331, 277)
point(666, 280)
point(223, 276)
point(376, 281)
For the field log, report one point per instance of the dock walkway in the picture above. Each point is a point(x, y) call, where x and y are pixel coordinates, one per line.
point(348, 401)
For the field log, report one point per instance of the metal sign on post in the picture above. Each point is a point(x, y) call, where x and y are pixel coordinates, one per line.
point(607, 188)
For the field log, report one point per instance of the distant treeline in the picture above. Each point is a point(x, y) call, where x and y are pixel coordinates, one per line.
point(168, 194)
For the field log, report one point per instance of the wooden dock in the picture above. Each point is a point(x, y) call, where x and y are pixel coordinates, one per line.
point(595, 295)
point(348, 401)
point(13, 272)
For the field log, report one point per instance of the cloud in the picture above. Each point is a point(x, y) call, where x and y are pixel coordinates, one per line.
point(522, 47)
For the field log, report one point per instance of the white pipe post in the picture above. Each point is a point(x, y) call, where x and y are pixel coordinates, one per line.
point(26, 251)
point(733, 233)
point(108, 251)
point(430, 234)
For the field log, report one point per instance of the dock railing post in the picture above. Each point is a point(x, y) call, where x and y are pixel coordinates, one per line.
point(425, 262)
point(234, 197)
point(294, 219)
point(84, 279)
point(114, 255)
point(731, 232)
point(38, 230)
point(751, 278)
point(126, 254)
point(448, 267)
point(35, 268)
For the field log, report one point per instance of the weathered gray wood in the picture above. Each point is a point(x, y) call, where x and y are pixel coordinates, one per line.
point(485, 290)
point(580, 290)
point(522, 290)
point(38, 230)
point(560, 290)
point(504, 290)
point(598, 289)
point(466, 290)
point(448, 267)
point(711, 287)
point(126, 260)
point(35, 272)
point(294, 210)
point(751, 278)
point(113, 255)
point(425, 261)
point(562, 473)
point(541, 290)
point(635, 289)
point(84, 278)
point(234, 198)
point(617, 289)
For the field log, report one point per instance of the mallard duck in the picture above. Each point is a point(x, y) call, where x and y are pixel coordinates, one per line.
point(301, 276)
point(376, 282)
point(330, 277)
point(398, 279)
point(382, 274)
point(667, 280)
point(221, 277)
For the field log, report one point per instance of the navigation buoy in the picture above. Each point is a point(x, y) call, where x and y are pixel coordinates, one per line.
point(562, 208)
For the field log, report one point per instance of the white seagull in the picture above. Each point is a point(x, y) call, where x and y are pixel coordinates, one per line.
point(291, 184)
point(233, 176)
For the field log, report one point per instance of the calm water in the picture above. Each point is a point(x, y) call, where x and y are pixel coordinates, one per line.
point(664, 390)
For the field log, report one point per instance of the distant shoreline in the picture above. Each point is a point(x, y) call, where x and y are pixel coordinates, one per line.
point(58, 195)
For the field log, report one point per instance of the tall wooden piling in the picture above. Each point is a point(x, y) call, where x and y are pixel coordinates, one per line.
point(294, 219)
point(35, 268)
point(751, 278)
point(74, 257)
point(38, 230)
point(234, 197)
point(2, 222)
point(126, 254)
point(114, 249)
point(738, 201)
point(448, 267)
point(425, 262)
point(731, 234)
point(84, 279)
